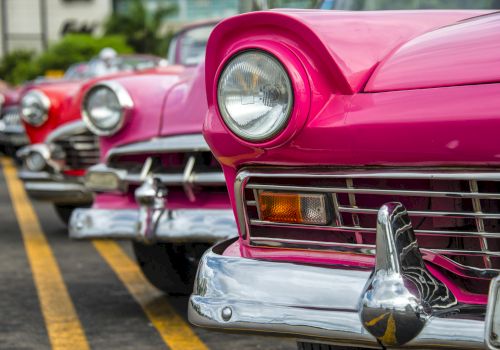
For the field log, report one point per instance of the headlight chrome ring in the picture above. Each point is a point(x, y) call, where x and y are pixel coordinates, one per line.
point(255, 95)
point(35, 107)
point(105, 107)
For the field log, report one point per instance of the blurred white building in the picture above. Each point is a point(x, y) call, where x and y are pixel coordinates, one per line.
point(33, 24)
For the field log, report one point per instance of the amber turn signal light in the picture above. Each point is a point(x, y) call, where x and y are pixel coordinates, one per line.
point(295, 208)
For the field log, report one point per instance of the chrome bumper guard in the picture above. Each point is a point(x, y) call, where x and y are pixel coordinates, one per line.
point(46, 186)
point(180, 226)
point(397, 305)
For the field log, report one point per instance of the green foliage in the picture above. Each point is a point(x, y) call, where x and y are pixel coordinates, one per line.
point(78, 48)
point(19, 66)
point(141, 28)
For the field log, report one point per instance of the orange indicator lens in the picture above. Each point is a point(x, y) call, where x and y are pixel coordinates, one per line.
point(293, 208)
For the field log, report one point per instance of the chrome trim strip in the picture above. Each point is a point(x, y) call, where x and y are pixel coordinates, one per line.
point(235, 293)
point(59, 192)
point(195, 225)
point(171, 144)
point(431, 213)
point(479, 174)
point(372, 229)
point(357, 190)
point(67, 130)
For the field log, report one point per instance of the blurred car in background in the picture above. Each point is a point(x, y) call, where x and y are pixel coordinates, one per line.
point(327, 125)
point(61, 147)
point(12, 134)
point(157, 184)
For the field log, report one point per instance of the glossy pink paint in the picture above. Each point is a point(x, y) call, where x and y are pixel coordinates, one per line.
point(343, 124)
point(463, 54)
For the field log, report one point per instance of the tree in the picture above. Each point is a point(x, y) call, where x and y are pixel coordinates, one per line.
point(141, 28)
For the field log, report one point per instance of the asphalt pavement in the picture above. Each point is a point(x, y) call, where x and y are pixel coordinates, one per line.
point(63, 294)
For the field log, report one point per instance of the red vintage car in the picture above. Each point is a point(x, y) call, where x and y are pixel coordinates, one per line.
point(362, 158)
point(62, 148)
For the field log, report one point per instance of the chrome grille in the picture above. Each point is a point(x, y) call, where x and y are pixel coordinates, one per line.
point(11, 118)
point(183, 161)
point(455, 213)
point(80, 150)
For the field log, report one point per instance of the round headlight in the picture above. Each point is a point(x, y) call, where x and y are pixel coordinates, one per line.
point(35, 107)
point(255, 96)
point(104, 108)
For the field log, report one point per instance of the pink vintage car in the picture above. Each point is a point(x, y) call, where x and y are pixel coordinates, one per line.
point(158, 183)
point(362, 158)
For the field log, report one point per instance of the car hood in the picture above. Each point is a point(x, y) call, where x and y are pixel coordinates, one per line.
point(186, 105)
point(149, 92)
point(461, 54)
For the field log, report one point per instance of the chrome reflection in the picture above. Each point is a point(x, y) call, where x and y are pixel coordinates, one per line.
point(151, 196)
point(401, 294)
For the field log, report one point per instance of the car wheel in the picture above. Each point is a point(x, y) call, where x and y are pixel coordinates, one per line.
point(64, 212)
point(170, 267)
point(317, 346)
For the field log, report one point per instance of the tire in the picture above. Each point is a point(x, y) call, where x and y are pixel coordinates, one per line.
point(64, 212)
point(170, 267)
point(317, 346)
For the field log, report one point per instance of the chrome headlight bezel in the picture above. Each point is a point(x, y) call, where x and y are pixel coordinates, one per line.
point(229, 120)
point(44, 103)
point(124, 100)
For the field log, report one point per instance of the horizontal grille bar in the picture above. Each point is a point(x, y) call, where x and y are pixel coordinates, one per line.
point(373, 229)
point(428, 213)
point(378, 192)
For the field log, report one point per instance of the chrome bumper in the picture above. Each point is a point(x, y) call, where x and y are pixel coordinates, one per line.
point(12, 138)
point(199, 225)
point(55, 188)
point(338, 305)
point(303, 301)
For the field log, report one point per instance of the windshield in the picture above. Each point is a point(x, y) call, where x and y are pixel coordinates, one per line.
point(371, 5)
point(188, 47)
point(98, 67)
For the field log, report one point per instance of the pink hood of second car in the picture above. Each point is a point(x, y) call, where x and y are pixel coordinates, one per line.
point(167, 101)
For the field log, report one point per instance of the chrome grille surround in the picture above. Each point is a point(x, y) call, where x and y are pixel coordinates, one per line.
point(346, 193)
point(75, 146)
point(189, 175)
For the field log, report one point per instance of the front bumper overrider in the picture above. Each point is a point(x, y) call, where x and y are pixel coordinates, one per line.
point(384, 308)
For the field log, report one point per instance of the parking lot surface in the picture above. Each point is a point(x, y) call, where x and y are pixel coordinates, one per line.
point(61, 294)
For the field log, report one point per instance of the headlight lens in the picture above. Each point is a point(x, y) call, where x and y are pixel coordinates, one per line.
point(255, 95)
point(35, 107)
point(104, 108)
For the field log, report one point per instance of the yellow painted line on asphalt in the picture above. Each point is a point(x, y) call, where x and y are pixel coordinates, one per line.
point(63, 325)
point(176, 333)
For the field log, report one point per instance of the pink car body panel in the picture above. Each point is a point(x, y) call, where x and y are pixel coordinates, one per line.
point(176, 106)
point(424, 62)
point(337, 122)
